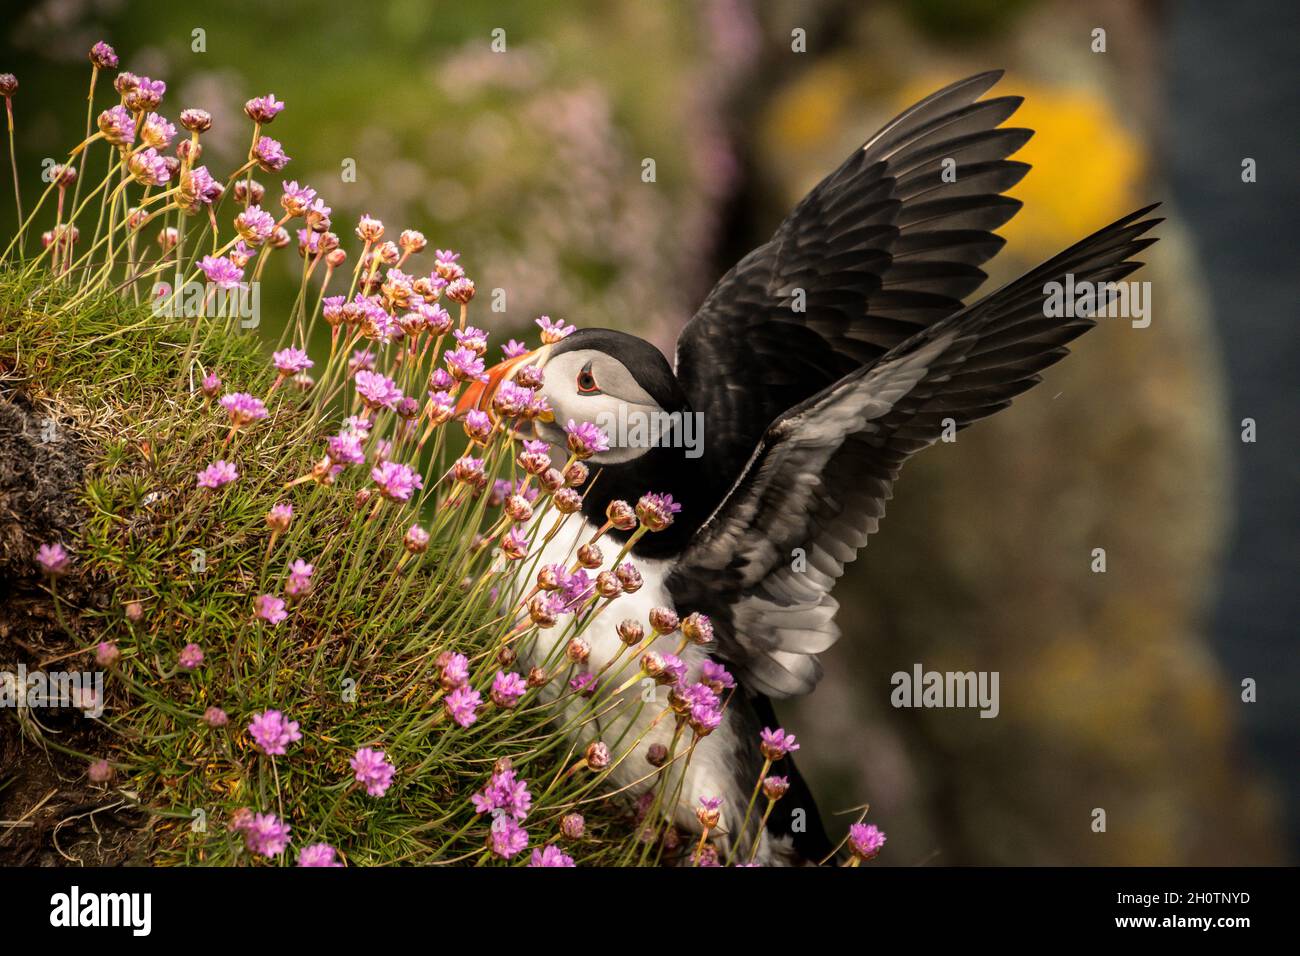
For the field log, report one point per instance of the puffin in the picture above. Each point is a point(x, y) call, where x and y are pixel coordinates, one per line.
point(819, 364)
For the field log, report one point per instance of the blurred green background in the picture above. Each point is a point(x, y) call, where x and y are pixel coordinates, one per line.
point(1119, 690)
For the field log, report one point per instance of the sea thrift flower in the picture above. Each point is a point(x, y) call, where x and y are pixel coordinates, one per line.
point(535, 457)
point(774, 787)
point(478, 426)
point(716, 676)
point(416, 540)
point(550, 856)
point(215, 717)
point(263, 109)
point(278, 518)
point(221, 272)
point(145, 95)
point(460, 290)
point(118, 126)
point(572, 826)
point(468, 470)
point(255, 225)
point(663, 620)
point(106, 654)
point(397, 482)
point(597, 756)
point(196, 120)
point(269, 155)
point(318, 854)
point(345, 448)
point(218, 473)
point(513, 349)
point(775, 744)
point(297, 200)
point(505, 795)
point(52, 559)
point(621, 515)
point(149, 168)
point(299, 583)
point(515, 544)
point(373, 771)
point(266, 835)
point(656, 511)
point(507, 689)
point(291, 361)
point(553, 332)
point(273, 733)
point(865, 841)
point(243, 408)
point(454, 670)
point(462, 704)
point(100, 772)
point(370, 229)
point(507, 838)
point(103, 56)
point(377, 391)
point(629, 577)
point(709, 811)
point(586, 439)
point(697, 628)
point(191, 656)
point(270, 608)
point(471, 338)
point(463, 364)
point(584, 684)
point(156, 131)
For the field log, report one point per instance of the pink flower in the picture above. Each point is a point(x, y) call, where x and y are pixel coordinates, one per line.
point(299, 583)
point(462, 704)
point(270, 608)
point(273, 733)
point(243, 408)
point(52, 558)
point(263, 109)
point(191, 656)
point(550, 855)
point(266, 834)
point(507, 837)
point(221, 272)
point(373, 770)
point(377, 391)
point(507, 689)
point(865, 840)
point(396, 481)
point(552, 332)
point(318, 854)
point(218, 473)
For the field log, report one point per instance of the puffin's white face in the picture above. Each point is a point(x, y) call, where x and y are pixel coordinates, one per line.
point(588, 385)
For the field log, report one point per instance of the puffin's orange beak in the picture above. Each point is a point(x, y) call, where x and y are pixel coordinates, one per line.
point(479, 394)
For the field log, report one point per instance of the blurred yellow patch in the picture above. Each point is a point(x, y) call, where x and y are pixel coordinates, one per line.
point(807, 113)
point(1086, 165)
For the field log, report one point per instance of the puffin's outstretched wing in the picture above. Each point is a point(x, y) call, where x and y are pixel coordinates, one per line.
point(815, 488)
point(880, 249)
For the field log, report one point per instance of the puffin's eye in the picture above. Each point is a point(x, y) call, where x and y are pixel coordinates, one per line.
point(587, 382)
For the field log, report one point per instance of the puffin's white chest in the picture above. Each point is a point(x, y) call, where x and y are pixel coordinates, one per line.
point(711, 769)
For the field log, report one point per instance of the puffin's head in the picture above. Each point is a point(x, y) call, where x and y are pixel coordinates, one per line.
point(618, 382)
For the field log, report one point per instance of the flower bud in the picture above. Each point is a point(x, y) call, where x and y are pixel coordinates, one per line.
point(597, 756)
point(697, 628)
point(663, 620)
point(630, 632)
point(537, 677)
point(567, 501)
point(607, 585)
point(590, 556)
point(656, 755)
point(578, 650)
point(621, 515)
point(629, 577)
point(575, 474)
point(572, 826)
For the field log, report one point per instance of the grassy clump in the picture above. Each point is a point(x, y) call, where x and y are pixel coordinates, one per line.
point(355, 662)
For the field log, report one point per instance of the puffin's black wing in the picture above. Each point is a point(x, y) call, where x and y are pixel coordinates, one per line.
point(815, 487)
point(880, 249)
